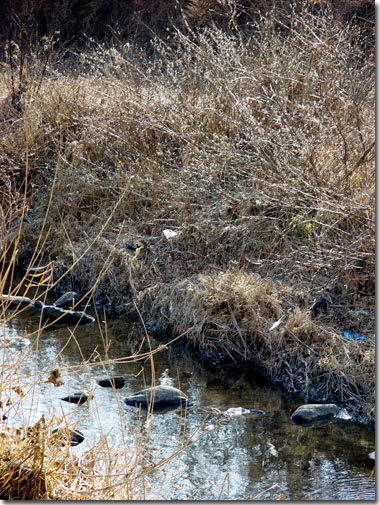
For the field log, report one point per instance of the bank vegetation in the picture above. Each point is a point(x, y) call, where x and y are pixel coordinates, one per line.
point(221, 182)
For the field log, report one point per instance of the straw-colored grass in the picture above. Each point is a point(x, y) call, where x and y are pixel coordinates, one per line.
point(256, 148)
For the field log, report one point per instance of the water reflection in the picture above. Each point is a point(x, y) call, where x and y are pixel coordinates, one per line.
point(236, 458)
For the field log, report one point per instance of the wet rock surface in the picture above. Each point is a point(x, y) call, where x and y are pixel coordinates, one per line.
point(68, 300)
point(113, 382)
point(318, 414)
point(15, 343)
point(65, 316)
point(241, 411)
point(16, 301)
point(158, 396)
point(79, 398)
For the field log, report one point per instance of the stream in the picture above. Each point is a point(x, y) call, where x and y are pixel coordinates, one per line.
point(243, 458)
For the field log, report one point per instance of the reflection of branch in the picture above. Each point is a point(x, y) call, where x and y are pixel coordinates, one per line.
point(265, 490)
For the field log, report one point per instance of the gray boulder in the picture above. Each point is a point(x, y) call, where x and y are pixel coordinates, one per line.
point(159, 396)
point(16, 301)
point(65, 316)
point(316, 414)
point(68, 299)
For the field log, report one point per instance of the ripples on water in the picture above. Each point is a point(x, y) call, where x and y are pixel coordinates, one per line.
point(242, 458)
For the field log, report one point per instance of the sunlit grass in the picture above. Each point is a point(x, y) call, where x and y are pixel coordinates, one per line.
point(256, 151)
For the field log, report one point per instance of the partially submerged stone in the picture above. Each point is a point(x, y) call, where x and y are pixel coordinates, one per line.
point(113, 382)
point(159, 396)
point(65, 316)
point(79, 398)
point(16, 301)
point(75, 437)
point(314, 414)
point(34, 270)
point(15, 343)
point(241, 411)
point(68, 300)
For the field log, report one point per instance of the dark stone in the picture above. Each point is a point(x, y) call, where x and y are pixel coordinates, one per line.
point(68, 299)
point(158, 395)
point(76, 437)
point(65, 316)
point(16, 301)
point(77, 398)
point(114, 382)
point(38, 305)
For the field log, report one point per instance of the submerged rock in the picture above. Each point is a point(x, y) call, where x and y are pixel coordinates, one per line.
point(75, 436)
point(77, 398)
point(17, 343)
point(68, 299)
point(240, 411)
point(16, 301)
point(64, 316)
point(158, 395)
point(271, 450)
point(113, 382)
point(317, 414)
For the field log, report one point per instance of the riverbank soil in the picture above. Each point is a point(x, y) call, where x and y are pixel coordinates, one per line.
point(219, 179)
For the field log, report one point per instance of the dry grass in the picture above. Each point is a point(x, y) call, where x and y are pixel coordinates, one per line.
point(258, 151)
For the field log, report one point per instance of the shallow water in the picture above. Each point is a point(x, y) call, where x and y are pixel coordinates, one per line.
point(246, 457)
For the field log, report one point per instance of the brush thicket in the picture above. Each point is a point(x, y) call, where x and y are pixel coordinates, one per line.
point(257, 150)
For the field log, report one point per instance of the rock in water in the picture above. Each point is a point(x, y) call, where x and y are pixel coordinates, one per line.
point(158, 395)
point(318, 413)
point(75, 436)
point(38, 305)
point(65, 316)
point(241, 411)
point(12, 343)
point(16, 301)
point(77, 398)
point(67, 300)
point(114, 382)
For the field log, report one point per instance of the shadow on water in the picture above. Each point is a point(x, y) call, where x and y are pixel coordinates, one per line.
point(236, 458)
